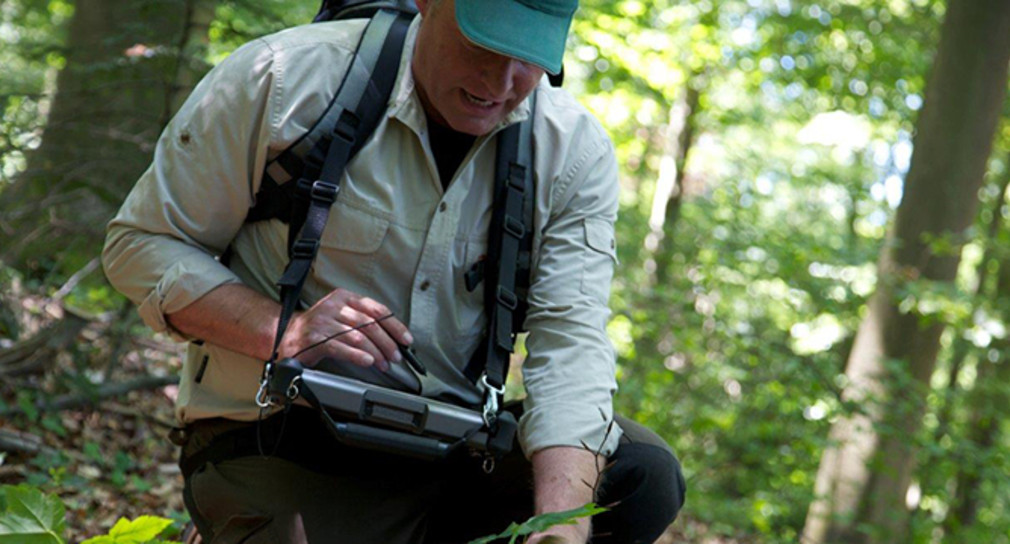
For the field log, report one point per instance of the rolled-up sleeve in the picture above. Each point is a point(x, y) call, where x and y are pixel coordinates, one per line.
point(569, 373)
point(161, 249)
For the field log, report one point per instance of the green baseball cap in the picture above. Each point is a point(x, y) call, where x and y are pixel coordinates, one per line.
point(531, 30)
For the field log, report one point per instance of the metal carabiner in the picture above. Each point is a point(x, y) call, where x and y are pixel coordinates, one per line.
point(262, 399)
point(490, 414)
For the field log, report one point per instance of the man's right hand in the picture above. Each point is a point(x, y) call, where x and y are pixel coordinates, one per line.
point(346, 326)
point(238, 318)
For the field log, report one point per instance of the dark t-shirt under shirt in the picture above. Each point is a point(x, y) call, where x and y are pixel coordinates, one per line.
point(449, 148)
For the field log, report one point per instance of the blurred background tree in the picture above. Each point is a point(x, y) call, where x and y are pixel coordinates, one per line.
point(772, 153)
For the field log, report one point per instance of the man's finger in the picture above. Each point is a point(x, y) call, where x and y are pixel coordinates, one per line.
point(372, 328)
point(393, 326)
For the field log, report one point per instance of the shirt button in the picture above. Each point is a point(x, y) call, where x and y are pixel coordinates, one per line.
point(425, 285)
point(442, 207)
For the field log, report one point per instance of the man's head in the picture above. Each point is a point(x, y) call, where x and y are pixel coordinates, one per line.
point(476, 60)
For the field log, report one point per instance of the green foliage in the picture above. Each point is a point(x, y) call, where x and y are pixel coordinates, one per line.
point(142, 530)
point(733, 320)
point(541, 523)
point(30, 517)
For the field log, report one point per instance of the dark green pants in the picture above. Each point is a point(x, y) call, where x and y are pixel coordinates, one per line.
point(336, 494)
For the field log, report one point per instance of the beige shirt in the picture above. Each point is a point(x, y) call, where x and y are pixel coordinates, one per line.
point(393, 234)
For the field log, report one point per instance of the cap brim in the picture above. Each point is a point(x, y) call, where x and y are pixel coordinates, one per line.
point(515, 30)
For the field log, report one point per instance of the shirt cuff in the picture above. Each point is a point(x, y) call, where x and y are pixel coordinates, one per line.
point(577, 425)
point(182, 284)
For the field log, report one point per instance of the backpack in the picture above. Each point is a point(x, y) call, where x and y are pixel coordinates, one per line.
point(301, 184)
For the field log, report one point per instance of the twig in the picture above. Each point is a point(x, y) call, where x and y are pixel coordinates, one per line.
point(74, 280)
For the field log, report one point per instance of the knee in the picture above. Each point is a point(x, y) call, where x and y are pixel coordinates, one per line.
point(645, 490)
point(661, 482)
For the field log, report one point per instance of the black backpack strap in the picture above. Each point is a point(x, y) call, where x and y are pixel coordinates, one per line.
point(508, 269)
point(354, 114)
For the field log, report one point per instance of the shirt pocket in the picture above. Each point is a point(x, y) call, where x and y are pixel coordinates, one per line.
point(350, 248)
point(354, 230)
point(599, 258)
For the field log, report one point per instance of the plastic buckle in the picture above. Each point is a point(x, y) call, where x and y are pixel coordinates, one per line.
point(514, 227)
point(507, 298)
point(304, 249)
point(323, 191)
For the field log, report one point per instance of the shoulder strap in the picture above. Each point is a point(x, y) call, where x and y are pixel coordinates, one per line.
point(510, 242)
point(353, 115)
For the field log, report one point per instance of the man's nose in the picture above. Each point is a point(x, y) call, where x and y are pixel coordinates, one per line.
point(498, 74)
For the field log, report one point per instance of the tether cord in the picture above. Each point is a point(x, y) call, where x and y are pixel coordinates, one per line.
point(287, 405)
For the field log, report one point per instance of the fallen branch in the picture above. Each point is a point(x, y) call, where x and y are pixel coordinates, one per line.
point(21, 442)
point(33, 354)
point(65, 402)
point(119, 409)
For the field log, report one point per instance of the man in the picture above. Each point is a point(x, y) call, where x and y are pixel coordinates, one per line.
point(410, 221)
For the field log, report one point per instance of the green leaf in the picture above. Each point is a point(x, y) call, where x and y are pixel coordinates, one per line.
point(31, 517)
point(138, 531)
point(543, 522)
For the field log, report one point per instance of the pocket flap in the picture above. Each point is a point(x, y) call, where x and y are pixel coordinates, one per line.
point(600, 237)
point(352, 229)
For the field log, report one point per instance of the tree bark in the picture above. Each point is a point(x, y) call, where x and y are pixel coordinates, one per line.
point(864, 475)
point(126, 63)
point(670, 185)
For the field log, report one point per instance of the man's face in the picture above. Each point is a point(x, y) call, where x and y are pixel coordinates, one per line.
point(461, 84)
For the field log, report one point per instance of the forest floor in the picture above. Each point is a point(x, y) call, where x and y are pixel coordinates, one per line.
point(110, 457)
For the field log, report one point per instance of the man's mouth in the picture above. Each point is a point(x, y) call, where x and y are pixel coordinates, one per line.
point(477, 100)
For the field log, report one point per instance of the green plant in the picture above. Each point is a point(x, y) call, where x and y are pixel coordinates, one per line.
point(29, 516)
point(541, 523)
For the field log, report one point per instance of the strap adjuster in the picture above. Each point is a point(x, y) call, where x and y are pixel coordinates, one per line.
point(304, 249)
point(507, 298)
point(324, 191)
point(516, 178)
point(347, 126)
point(514, 227)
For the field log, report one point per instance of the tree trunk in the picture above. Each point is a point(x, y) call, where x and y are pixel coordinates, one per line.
point(670, 185)
point(864, 475)
point(124, 65)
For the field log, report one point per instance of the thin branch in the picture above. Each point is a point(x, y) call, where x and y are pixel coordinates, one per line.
point(74, 280)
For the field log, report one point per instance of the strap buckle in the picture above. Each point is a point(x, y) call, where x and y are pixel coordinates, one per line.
point(305, 249)
point(514, 227)
point(507, 298)
point(324, 192)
